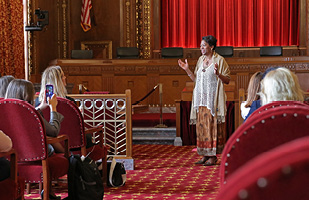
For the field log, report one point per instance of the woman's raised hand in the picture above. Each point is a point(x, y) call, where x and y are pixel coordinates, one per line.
point(53, 102)
point(216, 72)
point(183, 65)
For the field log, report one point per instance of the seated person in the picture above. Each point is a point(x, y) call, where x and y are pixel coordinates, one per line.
point(54, 75)
point(4, 82)
point(280, 85)
point(253, 89)
point(257, 103)
point(5, 146)
point(24, 90)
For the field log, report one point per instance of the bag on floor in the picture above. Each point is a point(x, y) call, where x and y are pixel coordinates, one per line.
point(116, 173)
point(84, 179)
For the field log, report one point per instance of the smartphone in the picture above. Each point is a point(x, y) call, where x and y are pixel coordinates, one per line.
point(49, 91)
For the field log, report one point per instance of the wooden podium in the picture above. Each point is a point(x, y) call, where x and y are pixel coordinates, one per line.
point(186, 95)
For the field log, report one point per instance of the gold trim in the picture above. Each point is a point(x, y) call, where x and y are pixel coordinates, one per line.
point(58, 30)
point(64, 43)
point(29, 39)
point(128, 23)
point(143, 27)
point(147, 29)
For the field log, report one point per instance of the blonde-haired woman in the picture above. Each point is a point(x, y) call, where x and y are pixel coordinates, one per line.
point(280, 85)
point(54, 75)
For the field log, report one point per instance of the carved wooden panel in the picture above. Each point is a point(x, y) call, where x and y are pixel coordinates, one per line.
point(137, 85)
point(171, 86)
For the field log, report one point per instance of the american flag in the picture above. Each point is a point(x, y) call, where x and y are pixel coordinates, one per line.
point(85, 16)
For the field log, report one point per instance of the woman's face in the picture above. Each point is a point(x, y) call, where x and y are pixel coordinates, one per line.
point(63, 78)
point(205, 48)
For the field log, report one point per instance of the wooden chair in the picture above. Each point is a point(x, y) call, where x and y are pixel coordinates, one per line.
point(261, 133)
point(14, 186)
point(271, 51)
point(127, 52)
point(281, 173)
point(24, 125)
point(225, 51)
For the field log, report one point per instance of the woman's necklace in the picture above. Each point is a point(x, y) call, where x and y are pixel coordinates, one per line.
point(205, 63)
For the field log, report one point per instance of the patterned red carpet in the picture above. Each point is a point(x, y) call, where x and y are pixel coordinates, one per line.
point(162, 172)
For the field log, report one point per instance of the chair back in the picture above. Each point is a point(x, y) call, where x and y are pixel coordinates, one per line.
point(172, 52)
point(225, 51)
point(72, 124)
point(127, 52)
point(282, 173)
point(277, 104)
point(82, 54)
point(24, 125)
point(263, 132)
point(271, 51)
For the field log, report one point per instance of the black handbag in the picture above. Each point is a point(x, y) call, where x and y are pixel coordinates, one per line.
point(116, 173)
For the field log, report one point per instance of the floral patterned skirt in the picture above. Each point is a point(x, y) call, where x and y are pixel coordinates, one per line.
point(210, 134)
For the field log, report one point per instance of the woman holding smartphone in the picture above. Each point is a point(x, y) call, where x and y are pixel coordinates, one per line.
point(54, 75)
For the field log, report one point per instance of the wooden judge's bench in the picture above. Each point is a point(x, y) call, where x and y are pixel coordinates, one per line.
point(141, 75)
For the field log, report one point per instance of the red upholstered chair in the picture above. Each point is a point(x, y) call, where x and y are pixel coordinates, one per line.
point(261, 133)
point(281, 173)
point(24, 125)
point(14, 186)
point(73, 127)
point(277, 104)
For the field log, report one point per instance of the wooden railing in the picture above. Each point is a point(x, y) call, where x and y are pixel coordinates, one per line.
point(114, 113)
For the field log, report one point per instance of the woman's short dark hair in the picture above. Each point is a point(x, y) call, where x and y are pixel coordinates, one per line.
point(21, 89)
point(211, 40)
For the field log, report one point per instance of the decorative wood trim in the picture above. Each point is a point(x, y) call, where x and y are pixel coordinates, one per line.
point(144, 27)
point(58, 30)
point(64, 16)
point(127, 23)
point(306, 22)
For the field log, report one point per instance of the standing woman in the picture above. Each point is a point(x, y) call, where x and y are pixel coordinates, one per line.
point(208, 107)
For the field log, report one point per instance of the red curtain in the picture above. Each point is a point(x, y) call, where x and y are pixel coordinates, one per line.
point(12, 39)
point(238, 23)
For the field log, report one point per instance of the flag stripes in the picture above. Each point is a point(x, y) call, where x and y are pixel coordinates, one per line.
point(85, 16)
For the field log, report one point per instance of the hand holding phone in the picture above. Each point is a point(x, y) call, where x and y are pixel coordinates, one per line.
point(49, 91)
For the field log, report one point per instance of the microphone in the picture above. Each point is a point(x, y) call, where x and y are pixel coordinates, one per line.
point(80, 88)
